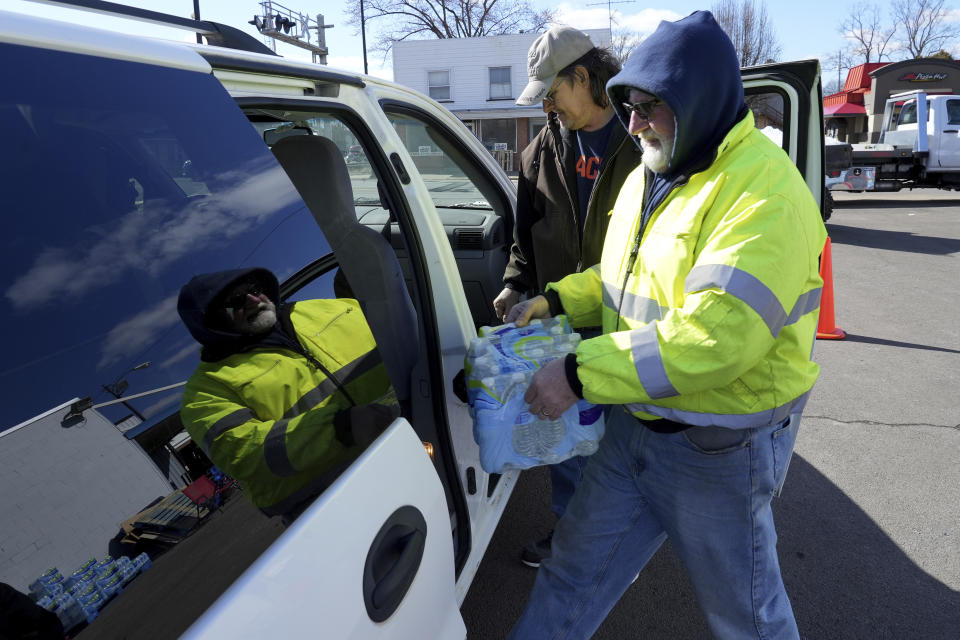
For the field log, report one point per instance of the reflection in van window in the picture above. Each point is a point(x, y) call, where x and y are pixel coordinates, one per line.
point(120, 181)
point(300, 387)
point(768, 114)
point(274, 126)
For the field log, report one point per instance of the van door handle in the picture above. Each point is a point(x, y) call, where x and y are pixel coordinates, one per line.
point(393, 561)
point(951, 131)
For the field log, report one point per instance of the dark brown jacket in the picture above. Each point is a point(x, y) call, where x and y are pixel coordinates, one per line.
point(547, 242)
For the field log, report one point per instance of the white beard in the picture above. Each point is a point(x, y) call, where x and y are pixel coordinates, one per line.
point(656, 157)
point(261, 323)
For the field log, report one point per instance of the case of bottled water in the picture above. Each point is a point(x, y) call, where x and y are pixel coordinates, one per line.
point(499, 366)
point(80, 597)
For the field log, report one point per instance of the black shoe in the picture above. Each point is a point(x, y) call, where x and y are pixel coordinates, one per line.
point(535, 552)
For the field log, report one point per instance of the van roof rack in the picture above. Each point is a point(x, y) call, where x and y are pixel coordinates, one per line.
point(219, 35)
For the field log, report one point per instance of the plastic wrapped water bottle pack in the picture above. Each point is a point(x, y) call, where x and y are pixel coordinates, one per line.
point(79, 598)
point(499, 366)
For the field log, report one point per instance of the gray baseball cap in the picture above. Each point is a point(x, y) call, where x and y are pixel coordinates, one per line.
point(551, 52)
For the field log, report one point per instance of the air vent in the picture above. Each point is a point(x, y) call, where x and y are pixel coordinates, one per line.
point(467, 239)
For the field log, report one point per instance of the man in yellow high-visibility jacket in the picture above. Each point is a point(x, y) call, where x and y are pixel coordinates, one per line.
point(708, 291)
point(284, 397)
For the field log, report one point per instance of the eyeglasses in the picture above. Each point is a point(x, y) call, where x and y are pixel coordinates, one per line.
point(239, 299)
point(643, 109)
point(551, 96)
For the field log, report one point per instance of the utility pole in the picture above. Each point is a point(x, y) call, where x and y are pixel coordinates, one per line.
point(839, 64)
point(118, 386)
point(363, 37)
point(277, 22)
point(196, 16)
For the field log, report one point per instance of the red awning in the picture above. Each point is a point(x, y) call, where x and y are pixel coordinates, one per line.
point(845, 109)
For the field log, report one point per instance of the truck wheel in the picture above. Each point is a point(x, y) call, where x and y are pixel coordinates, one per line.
point(827, 208)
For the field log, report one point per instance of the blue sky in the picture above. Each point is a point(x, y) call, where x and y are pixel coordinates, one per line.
point(805, 29)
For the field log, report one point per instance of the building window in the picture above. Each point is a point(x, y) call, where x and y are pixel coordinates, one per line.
point(499, 134)
point(500, 88)
point(438, 85)
point(535, 127)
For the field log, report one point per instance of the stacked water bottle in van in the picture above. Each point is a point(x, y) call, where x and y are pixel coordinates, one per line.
point(78, 598)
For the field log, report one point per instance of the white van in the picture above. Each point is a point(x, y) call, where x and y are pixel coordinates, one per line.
point(131, 164)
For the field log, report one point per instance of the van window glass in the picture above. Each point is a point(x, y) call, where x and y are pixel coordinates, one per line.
point(474, 209)
point(120, 181)
point(453, 182)
point(273, 126)
point(769, 114)
point(908, 114)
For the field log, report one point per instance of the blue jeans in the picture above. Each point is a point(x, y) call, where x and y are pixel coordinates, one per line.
point(709, 490)
point(565, 477)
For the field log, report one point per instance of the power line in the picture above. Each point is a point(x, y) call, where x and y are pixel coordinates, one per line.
point(610, 4)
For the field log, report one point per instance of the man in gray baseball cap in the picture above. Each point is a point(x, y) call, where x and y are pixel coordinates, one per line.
point(550, 54)
point(570, 175)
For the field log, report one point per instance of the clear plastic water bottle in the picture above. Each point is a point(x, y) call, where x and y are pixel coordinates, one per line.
point(130, 572)
point(500, 365)
point(91, 602)
point(69, 611)
point(142, 562)
point(53, 589)
point(106, 576)
point(112, 584)
point(50, 575)
point(90, 596)
point(103, 566)
point(86, 566)
point(535, 438)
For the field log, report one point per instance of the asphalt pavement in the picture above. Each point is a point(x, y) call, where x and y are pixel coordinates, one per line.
point(869, 540)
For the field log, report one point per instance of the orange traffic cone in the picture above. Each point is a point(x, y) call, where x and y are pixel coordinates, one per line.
point(827, 328)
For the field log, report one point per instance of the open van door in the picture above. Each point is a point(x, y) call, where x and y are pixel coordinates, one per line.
point(787, 104)
point(370, 559)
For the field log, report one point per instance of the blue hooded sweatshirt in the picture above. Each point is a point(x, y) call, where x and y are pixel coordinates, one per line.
point(197, 306)
point(692, 66)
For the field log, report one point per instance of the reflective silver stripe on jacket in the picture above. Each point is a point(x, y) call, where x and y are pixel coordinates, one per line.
point(275, 450)
point(312, 398)
point(730, 421)
point(649, 363)
point(359, 366)
point(806, 303)
point(611, 295)
point(223, 425)
point(275, 444)
point(639, 308)
point(345, 374)
point(753, 292)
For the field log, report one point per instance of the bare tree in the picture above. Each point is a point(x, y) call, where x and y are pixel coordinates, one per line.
point(838, 61)
point(745, 21)
point(623, 40)
point(869, 39)
point(427, 19)
point(923, 26)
